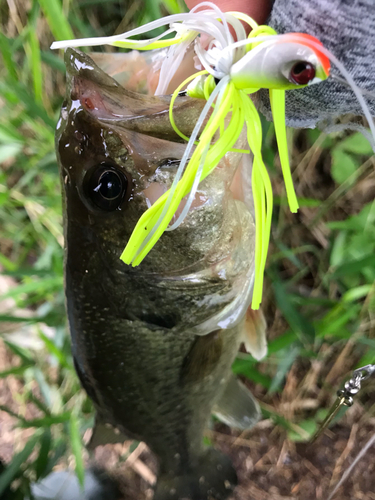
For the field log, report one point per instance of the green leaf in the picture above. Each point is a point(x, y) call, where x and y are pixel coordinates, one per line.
point(10, 134)
point(285, 340)
point(308, 426)
point(297, 322)
point(354, 266)
point(16, 371)
point(343, 166)
point(357, 293)
point(36, 65)
point(55, 351)
point(7, 263)
point(6, 52)
point(367, 359)
point(41, 286)
point(365, 219)
point(338, 249)
point(287, 359)
point(59, 450)
point(17, 92)
point(46, 421)
point(77, 448)
point(357, 144)
point(54, 61)
point(303, 202)
point(45, 447)
point(23, 353)
point(17, 319)
point(246, 368)
point(335, 320)
point(15, 466)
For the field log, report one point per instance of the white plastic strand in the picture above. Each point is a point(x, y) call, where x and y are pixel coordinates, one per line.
point(185, 159)
point(172, 62)
point(198, 175)
point(204, 16)
point(220, 15)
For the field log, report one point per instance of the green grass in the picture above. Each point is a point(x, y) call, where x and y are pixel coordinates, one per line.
point(319, 294)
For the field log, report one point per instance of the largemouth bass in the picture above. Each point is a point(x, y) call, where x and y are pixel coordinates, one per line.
point(153, 345)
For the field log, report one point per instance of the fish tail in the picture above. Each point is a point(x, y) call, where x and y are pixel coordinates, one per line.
point(212, 478)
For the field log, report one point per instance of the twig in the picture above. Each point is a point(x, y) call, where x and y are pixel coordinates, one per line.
point(140, 467)
point(346, 474)
point(348, 448)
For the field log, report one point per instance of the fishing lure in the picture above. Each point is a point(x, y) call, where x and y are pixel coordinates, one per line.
point(232, 71)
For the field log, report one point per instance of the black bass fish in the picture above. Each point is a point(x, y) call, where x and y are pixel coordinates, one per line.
point(153, 345)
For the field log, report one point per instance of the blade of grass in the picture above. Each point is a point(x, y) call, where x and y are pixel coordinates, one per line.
point(285, 340)
point(15, 466)
point(41, 462)
point(16, 372)
point(77, 448)
point(298, 323)
point(354, 266)
point(56, 19)
point(246, 368)
point(23, 353)
point(287, 359)
point(36, 66)
point(46, 421)
point(6, 52)
point(55, 351)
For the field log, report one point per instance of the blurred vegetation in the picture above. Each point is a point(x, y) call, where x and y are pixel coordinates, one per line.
point(319, 296)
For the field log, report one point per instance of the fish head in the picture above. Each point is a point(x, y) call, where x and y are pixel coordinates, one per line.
point(118, 153)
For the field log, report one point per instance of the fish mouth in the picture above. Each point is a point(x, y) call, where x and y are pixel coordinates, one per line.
point(111, 103)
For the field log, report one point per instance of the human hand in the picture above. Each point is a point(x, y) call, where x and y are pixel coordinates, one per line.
point(257, 9)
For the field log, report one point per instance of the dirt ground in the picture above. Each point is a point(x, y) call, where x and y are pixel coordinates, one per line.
point(272, 468)
point(269, 466)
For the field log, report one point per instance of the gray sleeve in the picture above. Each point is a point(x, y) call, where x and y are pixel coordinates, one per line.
point(347, 29)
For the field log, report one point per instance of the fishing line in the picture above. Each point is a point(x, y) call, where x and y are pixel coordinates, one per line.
point(364, 92)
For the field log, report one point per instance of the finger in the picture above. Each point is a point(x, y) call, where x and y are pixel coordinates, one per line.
point(257, 9)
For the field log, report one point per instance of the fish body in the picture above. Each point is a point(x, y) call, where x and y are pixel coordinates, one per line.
point(152, 345)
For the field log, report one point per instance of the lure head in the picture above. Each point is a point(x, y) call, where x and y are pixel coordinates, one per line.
point(284, 62)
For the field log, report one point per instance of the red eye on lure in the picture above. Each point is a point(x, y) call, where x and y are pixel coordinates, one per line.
point(302, 73)
point(314, 44)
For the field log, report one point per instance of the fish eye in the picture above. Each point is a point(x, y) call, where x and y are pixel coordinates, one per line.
point(106, 187)
point(302, 73)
